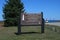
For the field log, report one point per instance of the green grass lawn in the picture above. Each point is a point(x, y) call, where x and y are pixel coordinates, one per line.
point(7, 33)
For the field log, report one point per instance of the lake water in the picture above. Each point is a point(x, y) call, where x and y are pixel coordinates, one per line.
point(49, 21)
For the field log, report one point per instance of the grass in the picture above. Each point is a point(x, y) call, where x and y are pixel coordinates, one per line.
point(7, 33)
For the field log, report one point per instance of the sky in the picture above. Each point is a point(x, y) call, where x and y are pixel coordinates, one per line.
point(50, 8)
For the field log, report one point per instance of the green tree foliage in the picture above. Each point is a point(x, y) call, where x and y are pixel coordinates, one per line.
point(12, 9)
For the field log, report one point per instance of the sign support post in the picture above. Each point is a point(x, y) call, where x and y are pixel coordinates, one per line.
point(42, 24)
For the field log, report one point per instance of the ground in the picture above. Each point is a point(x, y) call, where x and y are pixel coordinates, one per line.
point(54, 23)
point(29, 33)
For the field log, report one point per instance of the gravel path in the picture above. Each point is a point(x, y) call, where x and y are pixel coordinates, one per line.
point(54, 23)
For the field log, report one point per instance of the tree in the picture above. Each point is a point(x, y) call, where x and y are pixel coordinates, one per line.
point(12, 10)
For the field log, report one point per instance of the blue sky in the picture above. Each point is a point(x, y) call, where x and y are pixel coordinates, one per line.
point(50, 8)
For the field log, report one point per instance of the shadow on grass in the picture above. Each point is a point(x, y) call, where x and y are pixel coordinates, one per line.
point(27, 33)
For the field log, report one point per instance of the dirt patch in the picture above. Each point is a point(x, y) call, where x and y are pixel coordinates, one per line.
point(1, 26)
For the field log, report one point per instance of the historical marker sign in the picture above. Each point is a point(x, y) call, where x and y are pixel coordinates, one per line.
point(31, 19)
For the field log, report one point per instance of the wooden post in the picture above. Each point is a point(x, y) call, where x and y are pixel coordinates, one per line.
point(19, 25)
point(42, 24)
